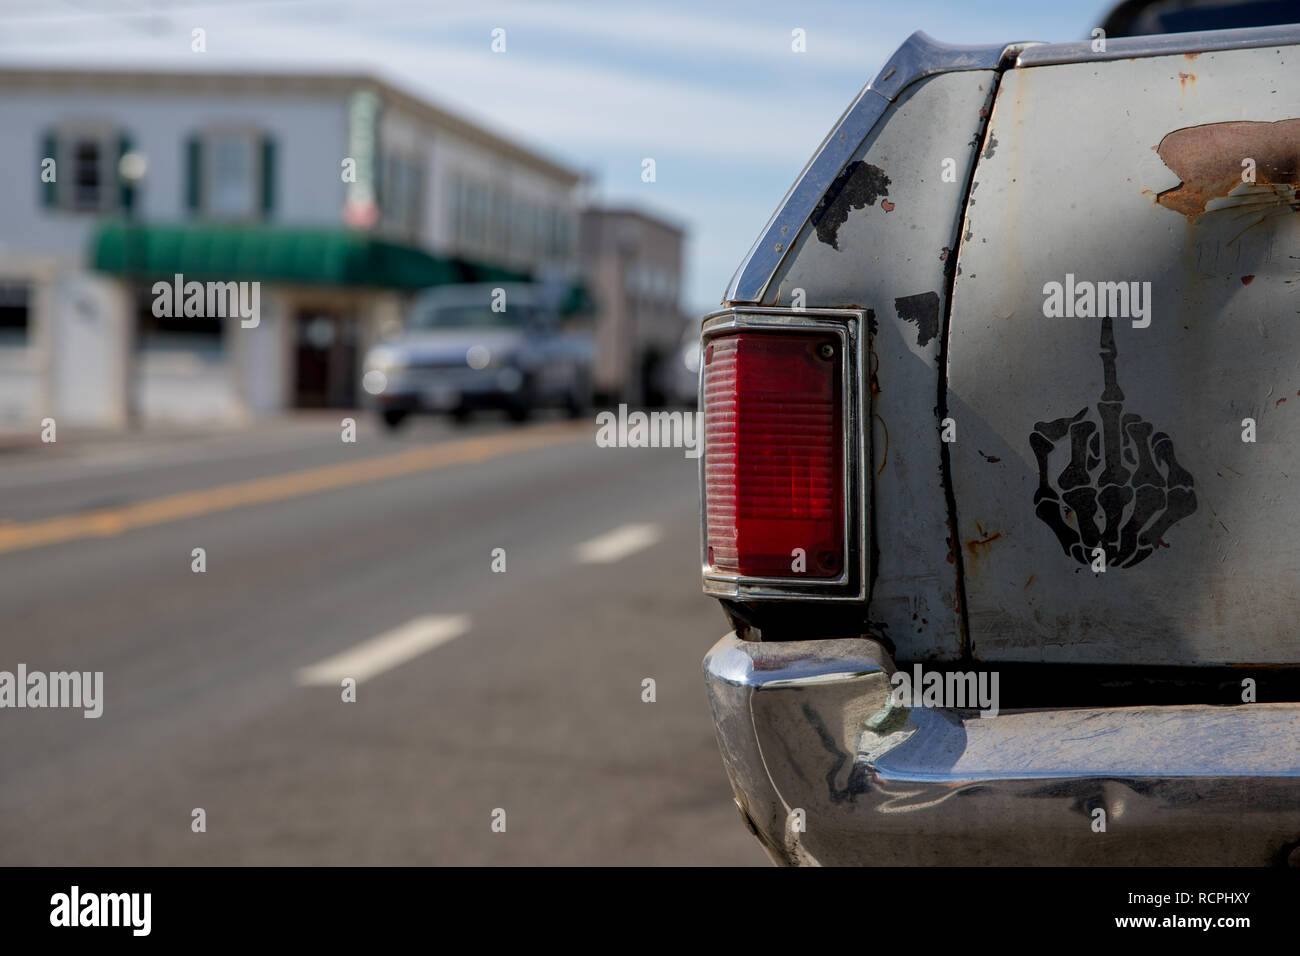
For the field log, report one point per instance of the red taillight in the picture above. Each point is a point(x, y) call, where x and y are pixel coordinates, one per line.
point(773, 465)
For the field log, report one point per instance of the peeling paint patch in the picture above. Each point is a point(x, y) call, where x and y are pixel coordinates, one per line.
point(949, 264)
point(858, 185)
point(1247, 280)
point(1208, 160)
point(922, 310)
point(992, 145)
point(886, 205)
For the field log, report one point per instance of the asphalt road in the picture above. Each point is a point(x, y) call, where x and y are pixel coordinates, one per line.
point(477, 690)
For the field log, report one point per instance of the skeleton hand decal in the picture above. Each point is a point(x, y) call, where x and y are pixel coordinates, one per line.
point(1122, 486)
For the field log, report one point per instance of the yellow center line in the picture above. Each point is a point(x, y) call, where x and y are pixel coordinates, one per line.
point(106, 522)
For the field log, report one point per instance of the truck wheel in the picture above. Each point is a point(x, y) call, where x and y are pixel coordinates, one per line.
point(578, 401)
point(520, 408)
point(652, 392)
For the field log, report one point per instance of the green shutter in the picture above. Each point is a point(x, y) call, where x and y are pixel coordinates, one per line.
point(49, 150)
point(268, 176)
point(125, 189)
point(194, 175)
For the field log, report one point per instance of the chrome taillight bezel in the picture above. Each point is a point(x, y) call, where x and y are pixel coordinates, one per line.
point(852, 583)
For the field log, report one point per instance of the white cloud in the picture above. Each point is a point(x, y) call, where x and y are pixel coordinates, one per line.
point(565, 105)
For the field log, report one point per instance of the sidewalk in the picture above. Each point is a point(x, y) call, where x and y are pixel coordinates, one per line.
point(18, 442)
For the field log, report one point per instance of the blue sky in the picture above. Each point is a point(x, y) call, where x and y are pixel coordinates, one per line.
point(712, 91)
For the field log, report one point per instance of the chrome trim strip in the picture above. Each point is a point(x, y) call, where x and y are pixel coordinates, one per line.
point(1123, 48)
point(813, 725)
point(851, 584)
point(919, 56)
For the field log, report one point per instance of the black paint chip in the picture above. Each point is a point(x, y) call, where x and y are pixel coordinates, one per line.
point(859, 184)
point(922, 309)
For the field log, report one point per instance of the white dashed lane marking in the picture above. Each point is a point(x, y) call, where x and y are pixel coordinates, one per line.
point(618, 544)
point(386, 651)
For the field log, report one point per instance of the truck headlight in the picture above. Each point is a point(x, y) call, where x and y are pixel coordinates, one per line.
point(385, 360)
point(375, 381)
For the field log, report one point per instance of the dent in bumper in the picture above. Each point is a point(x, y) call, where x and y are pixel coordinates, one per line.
point(811, 726)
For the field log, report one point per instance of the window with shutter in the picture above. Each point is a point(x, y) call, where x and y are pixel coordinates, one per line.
point(268, 176)
point(194, 175)
point(126, 188)
point(49, 168)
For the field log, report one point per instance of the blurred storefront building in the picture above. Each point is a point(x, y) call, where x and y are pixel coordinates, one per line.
point(340, 196)
point(632, 266)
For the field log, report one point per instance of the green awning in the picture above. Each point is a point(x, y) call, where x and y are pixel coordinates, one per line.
point(147, 252)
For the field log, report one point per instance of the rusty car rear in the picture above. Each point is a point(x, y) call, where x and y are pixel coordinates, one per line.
point(1067, 280)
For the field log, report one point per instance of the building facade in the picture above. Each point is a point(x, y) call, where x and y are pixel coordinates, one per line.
point(632, 266)
point(337, 196)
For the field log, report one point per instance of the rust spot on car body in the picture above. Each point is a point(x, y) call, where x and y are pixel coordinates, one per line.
point(884, 451)
point(1208, 159)
point(1185, 78)
point(977, 547)
point(1247, 280)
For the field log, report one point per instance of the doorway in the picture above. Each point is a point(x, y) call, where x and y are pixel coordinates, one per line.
point(325, 358)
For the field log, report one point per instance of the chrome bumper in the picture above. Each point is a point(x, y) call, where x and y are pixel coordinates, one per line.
point(811, 726)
